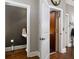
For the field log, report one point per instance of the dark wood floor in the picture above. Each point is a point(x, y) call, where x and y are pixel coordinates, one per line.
point(18, 54)
point(21, 54)
point(68, 55)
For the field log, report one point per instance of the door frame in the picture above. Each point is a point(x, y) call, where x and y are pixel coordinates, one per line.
point(67, 41)
point(12, 3)
point(61, 49)
point(56, 41)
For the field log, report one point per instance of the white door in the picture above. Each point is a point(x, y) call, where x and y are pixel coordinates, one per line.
point(66, 30)
point(44, 30)
point(61, 40)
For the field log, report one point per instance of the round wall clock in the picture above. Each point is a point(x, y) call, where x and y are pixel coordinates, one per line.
point(56, 2)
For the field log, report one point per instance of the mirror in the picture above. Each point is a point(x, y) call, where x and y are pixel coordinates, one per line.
point(16, 31)
point(17, 28)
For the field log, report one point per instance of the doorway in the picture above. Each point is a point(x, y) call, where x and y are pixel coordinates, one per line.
point(17, 26)
point(66, 31)
point(54, 31)
point(44, 15)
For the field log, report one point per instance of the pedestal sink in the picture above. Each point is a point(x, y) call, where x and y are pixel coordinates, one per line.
point(24, 34)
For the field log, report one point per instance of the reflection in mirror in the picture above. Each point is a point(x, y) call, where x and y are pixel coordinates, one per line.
point(24, 34)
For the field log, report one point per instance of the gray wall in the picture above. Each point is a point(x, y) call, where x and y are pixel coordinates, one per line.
point(15, 21)
point(33, 22)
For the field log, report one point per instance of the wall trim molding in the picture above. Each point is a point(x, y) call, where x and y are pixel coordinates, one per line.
point(34, 53)
point(63, 50)
point(15, 47)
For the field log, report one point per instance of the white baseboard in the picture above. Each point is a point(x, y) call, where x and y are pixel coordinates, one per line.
point(52, 53)
point(31, 54)
point(15, 47)
point(63, 50)
point(34, 53)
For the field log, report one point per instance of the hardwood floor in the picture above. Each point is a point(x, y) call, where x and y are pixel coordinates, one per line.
point(21, 54)
point(18, 54)
point(68, 55)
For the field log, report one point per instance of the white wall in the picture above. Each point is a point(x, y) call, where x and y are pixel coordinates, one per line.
point(70, 11)
point(70, 2)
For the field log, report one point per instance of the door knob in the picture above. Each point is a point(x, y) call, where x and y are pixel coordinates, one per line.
point(42, 38)
point(60, 33)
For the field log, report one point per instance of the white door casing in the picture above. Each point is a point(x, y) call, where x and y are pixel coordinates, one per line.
point(62, 48)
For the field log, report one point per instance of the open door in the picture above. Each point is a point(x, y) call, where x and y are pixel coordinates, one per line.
point(52, 31)
point(44, 29)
